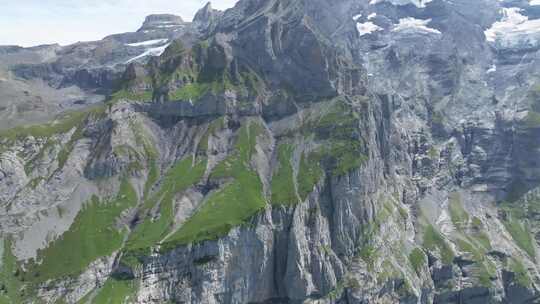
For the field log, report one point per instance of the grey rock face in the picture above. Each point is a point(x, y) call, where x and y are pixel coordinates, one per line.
point(206, 18)
point(161, 21)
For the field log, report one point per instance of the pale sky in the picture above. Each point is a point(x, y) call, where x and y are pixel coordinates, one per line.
point(34, 22)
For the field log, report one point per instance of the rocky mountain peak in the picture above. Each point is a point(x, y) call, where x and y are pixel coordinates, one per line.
point(206, 17)
point(161, 21)
point(204, 12)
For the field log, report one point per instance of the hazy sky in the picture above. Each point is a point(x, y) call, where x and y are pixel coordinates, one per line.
point(34, 22)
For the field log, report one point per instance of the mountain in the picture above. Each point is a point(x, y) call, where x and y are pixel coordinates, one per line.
point(282, 151)
point(40, 82)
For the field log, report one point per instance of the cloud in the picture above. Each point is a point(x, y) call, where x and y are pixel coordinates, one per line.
point(34, 22)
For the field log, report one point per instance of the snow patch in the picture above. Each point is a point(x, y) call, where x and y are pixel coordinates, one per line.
point(514, 29)
point(417, 3)
point(414, 25)
point(373, 15)
point(357, 17)
point(492, 69)
point(534, 2)
point(167, 26)
point(157, 51)
point(148, 42)
point(367, 28)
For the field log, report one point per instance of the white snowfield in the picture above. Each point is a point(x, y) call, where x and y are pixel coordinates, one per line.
point(168, 25)
point(367, 28)
point(405, 25)
point(514, 29)
point(534, 2)
point(157, 51)
point(413, 25)
point(148, 42)
point(417, 3)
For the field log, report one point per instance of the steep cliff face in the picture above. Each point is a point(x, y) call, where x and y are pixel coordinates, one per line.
point(292, 152)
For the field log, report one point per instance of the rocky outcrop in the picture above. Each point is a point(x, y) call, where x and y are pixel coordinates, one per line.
point(161, 21)
point(206, 18)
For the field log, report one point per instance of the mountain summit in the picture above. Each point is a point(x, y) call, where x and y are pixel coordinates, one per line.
point(161, 21)
point(282, 151)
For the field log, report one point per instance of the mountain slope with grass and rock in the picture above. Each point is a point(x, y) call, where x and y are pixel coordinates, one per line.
point(281, 151)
